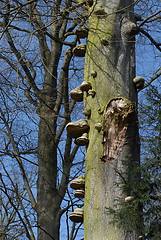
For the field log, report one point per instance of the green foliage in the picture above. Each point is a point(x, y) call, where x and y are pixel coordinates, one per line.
point(146, 189)
point(151, 157)
point(127, 214)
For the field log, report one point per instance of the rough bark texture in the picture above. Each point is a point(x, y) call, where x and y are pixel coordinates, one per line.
point(48, 208)
point(111, 54)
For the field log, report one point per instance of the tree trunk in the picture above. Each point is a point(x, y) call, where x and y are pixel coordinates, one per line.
point(110, 68)
point(49, 193)
point(48, 207)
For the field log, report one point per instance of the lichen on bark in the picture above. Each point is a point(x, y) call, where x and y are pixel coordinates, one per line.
point(111, 55)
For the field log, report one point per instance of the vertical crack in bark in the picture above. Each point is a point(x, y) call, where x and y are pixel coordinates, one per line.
point(115, 127)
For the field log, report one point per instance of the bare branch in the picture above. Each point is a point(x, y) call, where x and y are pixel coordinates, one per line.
point(157, 45)
point(11, 202)
point(153, 78)
point(149, 17)
point(26, 183)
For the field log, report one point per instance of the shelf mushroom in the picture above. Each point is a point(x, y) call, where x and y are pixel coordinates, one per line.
point(79, 193)
point(85, 86)
point(139, 82)
point(77, 215)
point(77, 94)
point(82, 140)
point(81, 32)
point(79, 50)
point(140, 237)
point(93, 74)
point(87, 112)
point(78, 183)
point(89, 3)
point(129, 199)
point(99, 10)
point(76, 129)
point(98, 126)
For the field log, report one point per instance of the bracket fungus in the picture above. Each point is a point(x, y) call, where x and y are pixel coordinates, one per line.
point(91, 93)
point(82, 140)
point(140, 237)
point(89, 3)
point(93, 74)
point(85, 86)
point(79, 193)
point(99, 10)
point(98, 126)
point(79, 50)
point(76, 129)
point(87, 112)
point(77, 215)
point(78, 183)
point(77, 94)
point(129, 199)
point(81, 32)
point(139, 82)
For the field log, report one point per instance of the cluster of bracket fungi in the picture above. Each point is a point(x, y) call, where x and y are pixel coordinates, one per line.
point(80, 49)
point(79, 186)
point(79, 129)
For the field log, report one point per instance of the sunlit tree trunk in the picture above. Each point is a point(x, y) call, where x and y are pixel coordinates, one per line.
point(110, 68)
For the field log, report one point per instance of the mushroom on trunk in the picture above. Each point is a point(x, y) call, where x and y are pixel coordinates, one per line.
point(76, 129)
point(82, 140)
point(77, 94)
point(78, 183)
point(77, 215)
point(79, 50)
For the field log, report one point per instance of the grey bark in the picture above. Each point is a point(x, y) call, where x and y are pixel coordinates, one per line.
point(111, 53)
point(49, 195)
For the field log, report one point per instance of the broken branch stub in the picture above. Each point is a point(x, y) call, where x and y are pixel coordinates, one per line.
point(128, 28)
point(115, 127)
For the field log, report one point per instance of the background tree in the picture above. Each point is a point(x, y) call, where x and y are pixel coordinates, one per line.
point(37, 65)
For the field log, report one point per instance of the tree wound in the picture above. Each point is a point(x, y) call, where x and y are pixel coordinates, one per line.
point(115, 127)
